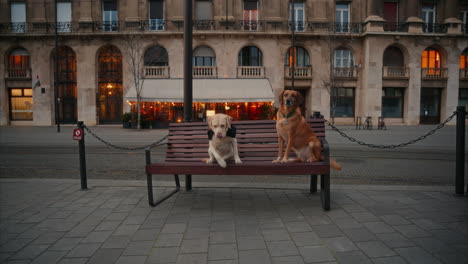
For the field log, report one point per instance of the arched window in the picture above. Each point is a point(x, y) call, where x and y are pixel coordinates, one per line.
point(67, 84)
point(393, 57)
point(110, 85)
point(250, 56)
point(430, 58)
point(301, 58)
point(156, 56)
point(18, 63)
point(204, 56)
point(343, 58)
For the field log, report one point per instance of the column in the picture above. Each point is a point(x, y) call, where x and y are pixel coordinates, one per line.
point(86, 81)
point(450, 93)
point(374, 8)
point(412, 102)
point(415, 24)
point(412, 8)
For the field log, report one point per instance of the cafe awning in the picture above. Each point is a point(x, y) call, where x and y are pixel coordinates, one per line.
point(205, 90)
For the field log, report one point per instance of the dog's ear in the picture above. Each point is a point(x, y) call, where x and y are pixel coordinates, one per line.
point(281, 97)
point(209, 120)
point(229, 121)
point(300, 99)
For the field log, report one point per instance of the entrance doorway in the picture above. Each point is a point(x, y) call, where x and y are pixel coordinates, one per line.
point(67, 85)
point(430, 106)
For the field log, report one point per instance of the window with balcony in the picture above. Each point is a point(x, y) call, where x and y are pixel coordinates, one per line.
point(18, 17)
point(299, 57)
point(392, 102)
point(64, 16)
point(21, 104)
point(342, 17)
point(394, 63)
point(110, 15)
point(428, 15)
point(464, 19)
point(342, 102)
point(299, 19)
point(18, 64)
point(156, 62)
point(204, 62)
point(250, 62)
point(203, 15)
point(156, 15)
point(343, 63)
point(250, 15)
point(391, 16)
point(431, 64)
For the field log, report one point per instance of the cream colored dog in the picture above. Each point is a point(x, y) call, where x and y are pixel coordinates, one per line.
point(223, 142)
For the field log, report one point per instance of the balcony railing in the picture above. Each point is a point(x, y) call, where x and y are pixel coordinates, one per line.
point(154, 72)
point(434, 28)
point(464, 74)
point(299, 26)
point(18, 73)
point(205, 72)
point(345, 72)
point(434, 73)
point(16, 27)
point(204, 25)
point(299, 72)
point(155, 25)
point(393, 72)
point(395, 27)
point(348, 28)
point(107, 26)
point(251, 71)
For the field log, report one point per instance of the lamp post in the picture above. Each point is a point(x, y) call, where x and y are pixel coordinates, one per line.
point(56, 97)
point(188, 85)
point(293, 50)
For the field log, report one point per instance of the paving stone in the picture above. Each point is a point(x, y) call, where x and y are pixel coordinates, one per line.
point(258, 256)
point(363, 217)
point(433, 245)
point(190, 246)
point(222, 225)
point(378, 227)
point(30, 252)
point(131, 260)
point(389, 260)
point(416, 255)
point(163, 255)
point(359, 234)
point(412, 231)
point(105, 256)
point(352, 257)
point(395, 240)
point(298, 226)
point(249, 243)
point(48, 238)
point(108, 226)
point(222, 251)
point(67, 243)
point(282, 248)
point(169, 240)
point(318, 220)
point(83, 250)
point(275, 234)
point(427, 224)
point(325, 231)
point(222, 237)
point(73, 261)
point(200, 258)
point(287, 260)
point(49, 257)
point(96, 237)
point(145, 234)
point(452, 257)
point(15, 245)
point(394, 220)
point(271, 223)
point(375, 249)
point(340, 244)
point(138, 248)
point(316, 254)
point(347, 223)
point(116, 242)
point(353, 208)
point(126, 230)
point(305, 239)
point(224, 261)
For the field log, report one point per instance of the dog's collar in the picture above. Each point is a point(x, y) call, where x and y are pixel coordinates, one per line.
point(231, 132)
point(289, 114)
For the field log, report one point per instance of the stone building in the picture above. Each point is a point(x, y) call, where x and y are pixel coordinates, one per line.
point(404, 60)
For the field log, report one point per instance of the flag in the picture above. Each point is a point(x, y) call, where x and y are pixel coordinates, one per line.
point(38, 82)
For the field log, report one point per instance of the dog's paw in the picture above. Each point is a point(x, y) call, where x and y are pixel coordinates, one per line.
point(278, 160)
point(222, 163)
point(209, 161)
point(238, 161)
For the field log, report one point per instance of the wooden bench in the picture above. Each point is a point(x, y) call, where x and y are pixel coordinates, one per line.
point(257, 140)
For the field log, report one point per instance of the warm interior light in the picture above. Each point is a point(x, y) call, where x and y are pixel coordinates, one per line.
point(109, 86)
point(210, 112)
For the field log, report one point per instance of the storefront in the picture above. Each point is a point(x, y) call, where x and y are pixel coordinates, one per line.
point(243, 99)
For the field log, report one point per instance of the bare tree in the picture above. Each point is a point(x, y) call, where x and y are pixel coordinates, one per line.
point(134, 50)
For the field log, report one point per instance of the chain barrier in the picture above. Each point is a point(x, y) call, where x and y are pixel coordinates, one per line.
point(391, 146)
point(152, 145)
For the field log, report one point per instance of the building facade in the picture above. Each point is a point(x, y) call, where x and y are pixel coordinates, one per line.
point(404, 60)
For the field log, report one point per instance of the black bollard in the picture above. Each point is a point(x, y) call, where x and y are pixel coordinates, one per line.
point(81, 149)
point(460, 152)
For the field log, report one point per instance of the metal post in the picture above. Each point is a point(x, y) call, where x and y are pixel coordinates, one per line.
point(188, 182)
point(293, 50)
point(460, 152)
point(188, 85)
point(81, 149)
point(56, 97)
point(149, 177)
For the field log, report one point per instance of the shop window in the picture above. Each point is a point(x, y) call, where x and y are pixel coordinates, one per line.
point(299, 57)
point(21, 104)
point(392, 102)
point(342, 102)
point(463, 97)
point(204, 56)
point(250, 56)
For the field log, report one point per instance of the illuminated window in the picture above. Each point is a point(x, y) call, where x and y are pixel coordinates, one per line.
point(430, 59)
point(21, 104)
point(464, 60)
point(110, 97)
point(250, 14)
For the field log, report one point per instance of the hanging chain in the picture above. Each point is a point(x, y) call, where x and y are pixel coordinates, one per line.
point(391, 146)
point(152, 145)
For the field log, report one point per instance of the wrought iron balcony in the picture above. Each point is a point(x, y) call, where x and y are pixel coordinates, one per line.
point(395, 27)
point(434, 73)
point(299, 72)
point(154, 72)
point(250, 72)
point(107, 26)
point(205, 72)
point(434, 28)
point(18, 73)
point(348, 28)
point(348, 73)
point(16, 27)
point(154, 25)
point(299, 26)
point(395, 72)
point(204, 24)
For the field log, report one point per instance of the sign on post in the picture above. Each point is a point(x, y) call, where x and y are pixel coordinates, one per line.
point(77, 134)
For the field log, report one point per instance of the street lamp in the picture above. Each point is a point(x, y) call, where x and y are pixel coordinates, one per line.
point(293, 51)
point(56, 97)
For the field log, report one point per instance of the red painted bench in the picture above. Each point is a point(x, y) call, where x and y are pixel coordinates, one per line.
point(257, 140)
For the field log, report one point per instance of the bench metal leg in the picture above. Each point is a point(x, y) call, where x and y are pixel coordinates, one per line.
point(188, 182)
point(313, 183)
point(325, 191)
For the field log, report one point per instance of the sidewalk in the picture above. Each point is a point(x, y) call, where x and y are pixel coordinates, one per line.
point(52, 221)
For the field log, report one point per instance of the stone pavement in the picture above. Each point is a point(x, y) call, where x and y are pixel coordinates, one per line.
point(52, 221)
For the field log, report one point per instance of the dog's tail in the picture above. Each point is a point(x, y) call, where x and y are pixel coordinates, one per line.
point(334, 165)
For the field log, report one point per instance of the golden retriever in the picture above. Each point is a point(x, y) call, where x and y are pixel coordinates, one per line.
point(223, 142)
point(293, 129)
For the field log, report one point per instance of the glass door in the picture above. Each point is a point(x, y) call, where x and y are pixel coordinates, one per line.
point(430, 106)
point(342, 17)
point(428, 15)
point(298, 16)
